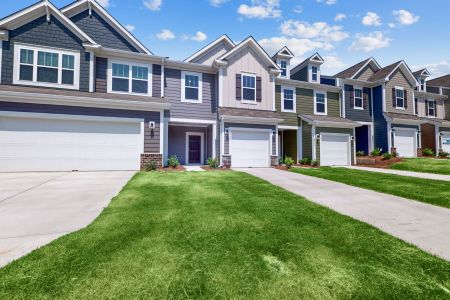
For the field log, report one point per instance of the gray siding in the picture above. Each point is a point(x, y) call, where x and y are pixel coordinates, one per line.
point(205, 110)
point(40, 33)
point(101, 78)
point(156, 81)
point(301, 74)
point(151, 137)
point(177, 141)
point(365, 73)
point(333, 104)
point(101, 32)
point(364, 115)
point(227, 141)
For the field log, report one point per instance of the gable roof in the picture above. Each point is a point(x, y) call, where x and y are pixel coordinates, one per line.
point(443, 81)
point(316, 58)
point(250, 41)
point(355, 69)
point(285, 51)
point(81, 5)
point(223, 38)
point(386, 72)
point(37, 10)
point(422, 72)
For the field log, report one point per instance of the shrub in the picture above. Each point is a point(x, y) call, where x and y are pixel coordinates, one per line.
point(360, 153)
point(387, 156)
point(173, 161)
point(212, 162)
point(427, 152)
point(150, 166)
point(443, 154)
point(315, 163)
point(288, 161)
point(305, 161)
point(376, 152)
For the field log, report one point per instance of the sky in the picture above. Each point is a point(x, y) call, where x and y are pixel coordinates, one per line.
point(344, 32)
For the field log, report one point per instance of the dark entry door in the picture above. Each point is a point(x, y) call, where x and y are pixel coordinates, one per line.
point(194, 149)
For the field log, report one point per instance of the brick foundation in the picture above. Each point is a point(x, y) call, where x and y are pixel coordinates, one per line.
point(149, 157)
point(419, 152)
point(274, 160)
point(226, 161)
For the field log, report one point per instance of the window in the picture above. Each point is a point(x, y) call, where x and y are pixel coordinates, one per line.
point(191, 87)
point(283, 67)
point(320, 103)
point(288, 100)
point(416, 106)
point(422, 85)
point(46, 67)
point(399, 98)
point(314, 73)
point(431, 108)
point(248, 88)
point(358, 104)
point(130, 78)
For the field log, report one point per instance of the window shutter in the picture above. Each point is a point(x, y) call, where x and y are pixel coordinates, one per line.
point(394, 98)
point(238, 87)
point(426, 107)
point(435, 109)
point(365, 98)
point(405, 94)
point(352, 96)
point(258, 89)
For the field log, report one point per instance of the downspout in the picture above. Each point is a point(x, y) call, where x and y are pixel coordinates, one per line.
point(163, 60)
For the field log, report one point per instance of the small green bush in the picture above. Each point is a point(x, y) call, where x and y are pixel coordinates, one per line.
point(376, 152)
point(289, 162)
point(427, 152)
point(315, 163)
point(360, 153)
point(173, 161)
point(212, 163)
point(387, 156)
point(150, 166)
point(305, 161)
point(443, 154)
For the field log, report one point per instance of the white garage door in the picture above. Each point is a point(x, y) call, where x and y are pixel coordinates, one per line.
point(404, 141)
point(446, 142)
point(250, 148)
point(334, 149)
point(33, 143)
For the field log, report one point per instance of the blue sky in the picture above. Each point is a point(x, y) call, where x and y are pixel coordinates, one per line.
point(342, 31)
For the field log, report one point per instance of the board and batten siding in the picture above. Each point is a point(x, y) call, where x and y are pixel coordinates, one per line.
point(151, 137)
point(361, 115)
point(205, 110)
point(399, 79)
point(209, 56)
point(51, 34)
point(247, 61)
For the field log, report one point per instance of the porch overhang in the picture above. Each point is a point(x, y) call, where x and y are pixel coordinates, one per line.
point(251, 120)
point(430, 95)
point(333, 122)
point(406, 119)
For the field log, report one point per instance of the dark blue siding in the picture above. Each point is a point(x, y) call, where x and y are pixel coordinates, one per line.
point(101, 32)
point(380, 124)
point(40, 33)
point(328, 81)
point(364, 115)
point(362, 139)
point(301, 74)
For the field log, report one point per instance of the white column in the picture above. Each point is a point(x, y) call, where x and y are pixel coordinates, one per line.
point(1, 59)
point(314, 143)
point(299, 143)
point(166, 141)
point(436, 134)
point(91, 71)
point(162, 77)
point(214, 138)
point(221, 71)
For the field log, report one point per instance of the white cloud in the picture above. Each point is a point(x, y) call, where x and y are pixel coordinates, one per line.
point(372, 41)
point(436, 69)
point(298, 46)
point(217, 3)
point(199, 37)
point(165, 35)
point(404, 17)
point(318, 30)
point(260, 9)
point(332, 65)
point(153, 4)
point(328, 2)
point(298, 9)
point(391, 25)
point(371, 19)
point(104, 3)
point(130, 27)
point(340, 17)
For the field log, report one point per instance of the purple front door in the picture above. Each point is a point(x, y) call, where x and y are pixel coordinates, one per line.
point(195, 149)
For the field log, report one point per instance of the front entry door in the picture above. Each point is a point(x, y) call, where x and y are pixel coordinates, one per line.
point(194, 149)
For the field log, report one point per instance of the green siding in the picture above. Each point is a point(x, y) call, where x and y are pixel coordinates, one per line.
point(333, 130)
point(333, 104)
point(305, 101)
point(290, 119)
point(306, 140)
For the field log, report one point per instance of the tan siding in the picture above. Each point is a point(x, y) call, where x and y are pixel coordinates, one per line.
point(365, 73)
point(421, 108)
point(213, 53)
point(247, 61)
point(399, 79)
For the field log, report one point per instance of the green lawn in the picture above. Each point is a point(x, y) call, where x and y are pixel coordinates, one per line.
point(427, 165)
point(434, 192)
point(223, 235)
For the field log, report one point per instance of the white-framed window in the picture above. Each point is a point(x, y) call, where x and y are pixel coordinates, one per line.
point(288, 101)
point(399, 98)
point(314, 73)
point(283, 66)
point(47, 67)
point(320, 103)
point(358, 98)
point(126, 77)
point(431, 108)
point(191, 87)
point(248, 88)
point(422, 84)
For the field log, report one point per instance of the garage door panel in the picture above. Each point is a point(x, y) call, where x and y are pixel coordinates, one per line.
point(404, 141)
point(334, 150)
point(446, 142)
point(249, 149)
point(36, 144)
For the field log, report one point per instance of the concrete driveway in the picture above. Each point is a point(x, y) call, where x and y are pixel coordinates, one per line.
point(36, 208)
point(424, 225)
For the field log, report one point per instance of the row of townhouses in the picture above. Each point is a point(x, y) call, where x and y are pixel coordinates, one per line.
point(79, 92)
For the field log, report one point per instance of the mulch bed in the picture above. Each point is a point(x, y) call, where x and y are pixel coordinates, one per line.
point(380, 163)
point(206, 168)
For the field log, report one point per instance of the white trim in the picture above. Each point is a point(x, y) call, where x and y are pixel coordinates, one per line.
point(370, 134)
point(246, 101)
point(251, 120)
point(16, 66)
point(250, 129)
point(163, 74)
point(202, 143)
point(130, 64)
point(91, 71)
point(354, 98)
point(408, 71)
point(166, 141)
point(161, 132)
point(192, 121)
point(276, 143)
point(210, 46)
point(365, 65)
point(222, 141)
point(199, 88)
point(416, 137)
point(310, 66)
point(221, 71)
point(1, 59)
point(272, 83)
point(354, 145)
point(288, 69)
point(389, 133)
point(315, 102)
point(313, 143)
point(294, 110)
point(287, 127)
point(399, 88)
point(307, 85)
point(214, 138)
point(343, 101)
point(299, 143)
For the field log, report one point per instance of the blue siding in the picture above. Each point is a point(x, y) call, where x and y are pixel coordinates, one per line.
point(362, 139)
point(380, 124)
point(328, 81)
point(364, 115)
point(40, 33)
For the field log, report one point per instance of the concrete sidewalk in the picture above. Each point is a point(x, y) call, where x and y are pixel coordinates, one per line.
point(423, 225)
point(37, 208)
point(403, 173)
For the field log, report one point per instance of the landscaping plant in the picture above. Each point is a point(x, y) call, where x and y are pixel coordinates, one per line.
point(212, 162)
point(427, 152)
point(173, 161)
point(315, 163)
point(443, 154)
point(376, 152)
point(360, 153)
point(305, 161)
point(289, 162)
point(150, 166)
point(387, 156)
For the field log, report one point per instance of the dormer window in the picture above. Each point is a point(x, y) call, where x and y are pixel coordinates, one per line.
point(283, 67)
point(314, 74)
point(422, 84)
